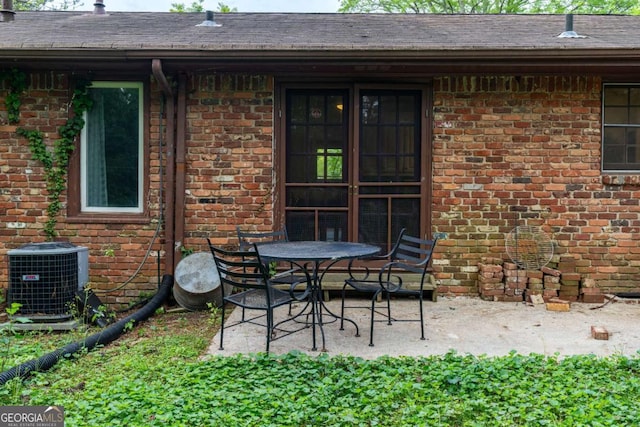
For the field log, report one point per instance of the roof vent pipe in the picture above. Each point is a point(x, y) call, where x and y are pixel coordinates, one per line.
point(568, 32)
point(208, 20)
point(98, 8)
point(568, 22)
point(6, 11)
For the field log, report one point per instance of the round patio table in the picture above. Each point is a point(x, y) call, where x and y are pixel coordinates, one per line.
point(316, 257)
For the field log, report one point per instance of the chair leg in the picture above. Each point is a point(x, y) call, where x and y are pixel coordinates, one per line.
point(388, 308)
point(344, 294)
point(373, 310)
point(269, 328)
point(421, 318)
point(222, 327)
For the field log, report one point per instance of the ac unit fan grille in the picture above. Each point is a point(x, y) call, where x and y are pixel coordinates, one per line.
point(44, 285)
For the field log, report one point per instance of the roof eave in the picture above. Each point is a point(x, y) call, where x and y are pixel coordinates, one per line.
point(450, 61)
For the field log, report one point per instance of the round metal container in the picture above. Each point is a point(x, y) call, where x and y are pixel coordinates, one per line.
point(197, 282)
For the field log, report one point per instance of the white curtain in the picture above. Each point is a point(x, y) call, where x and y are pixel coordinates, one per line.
point(96, 158)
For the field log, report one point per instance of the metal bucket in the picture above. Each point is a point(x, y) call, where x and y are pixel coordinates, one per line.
point(197, 282)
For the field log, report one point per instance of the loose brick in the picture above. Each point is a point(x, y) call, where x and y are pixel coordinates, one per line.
point(534, 274)
point(599, 333)
point(573, 277)
point(592, 299)
point(550, 271)
point(557, 304)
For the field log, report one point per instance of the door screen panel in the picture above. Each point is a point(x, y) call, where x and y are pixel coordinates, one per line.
point(332, 226)
point(365, 188)
point(389, 137)
point(389, 154)
point(316, 188)
point(381, 219)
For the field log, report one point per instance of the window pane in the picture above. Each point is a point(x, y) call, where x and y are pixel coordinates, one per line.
point(316, 143)
point(388, 146)
point(389, 109)
point(329, 164)
point(301, 226)
point(369, 109)
point(633, 146)
point(634, 96)
point(298, 111)
point(621, 128)
point(615, 95)
point(111, 147)
point(407, 109)
point(316, 109)
point(332, 226)
point(616, 115)
point(316, 196)
point(297, 138)
point(334, 110)
point(372, 221)
point(613, 152)
point(404, 214)
point(634, 115)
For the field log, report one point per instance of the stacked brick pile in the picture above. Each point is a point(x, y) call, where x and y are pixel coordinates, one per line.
point(589, 293)
point(569, 279)
point(515, 282)
point(504, 281)
point(551, 282)
point(490, 278)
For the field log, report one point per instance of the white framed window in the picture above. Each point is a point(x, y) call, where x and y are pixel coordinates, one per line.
point(111, 149)
point(621, 127)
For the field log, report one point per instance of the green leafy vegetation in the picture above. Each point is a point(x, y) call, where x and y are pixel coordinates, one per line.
point(623, 7)
point(16, 82)
point(156, 376)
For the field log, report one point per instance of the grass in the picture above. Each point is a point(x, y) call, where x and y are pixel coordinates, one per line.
point(155, 375)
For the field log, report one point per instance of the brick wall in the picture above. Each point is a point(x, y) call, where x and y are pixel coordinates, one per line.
point(229, 162)
point(526, 150)
point(506, 151)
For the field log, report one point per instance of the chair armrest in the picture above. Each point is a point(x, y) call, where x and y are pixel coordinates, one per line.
point(388, 281)
point(363, 272)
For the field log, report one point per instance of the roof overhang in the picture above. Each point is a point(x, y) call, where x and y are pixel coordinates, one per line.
point(433, 63)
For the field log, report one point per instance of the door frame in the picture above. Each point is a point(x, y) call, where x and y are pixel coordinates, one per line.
point(353, 87)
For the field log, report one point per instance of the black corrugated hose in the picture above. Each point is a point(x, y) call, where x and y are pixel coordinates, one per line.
point(105, 336)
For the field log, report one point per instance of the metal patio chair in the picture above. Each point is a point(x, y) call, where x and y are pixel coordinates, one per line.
point(245, 273)
point(291, 273)
point(409, 255)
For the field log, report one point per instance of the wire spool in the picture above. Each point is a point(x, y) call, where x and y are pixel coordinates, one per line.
point(197, 282)
point(528, 247)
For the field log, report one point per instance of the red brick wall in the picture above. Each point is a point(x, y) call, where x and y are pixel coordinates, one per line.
point(229, 159)
point(506, 150)
point(526, 150)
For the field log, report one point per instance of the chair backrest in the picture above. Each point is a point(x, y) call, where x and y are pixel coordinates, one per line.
point(412, 253)
point(246, 238)
point(240, 269)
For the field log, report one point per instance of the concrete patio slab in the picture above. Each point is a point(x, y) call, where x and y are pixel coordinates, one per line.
point(466, 325)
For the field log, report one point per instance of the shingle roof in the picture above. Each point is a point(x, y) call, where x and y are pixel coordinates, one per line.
point(304, 32)
point(525, 40)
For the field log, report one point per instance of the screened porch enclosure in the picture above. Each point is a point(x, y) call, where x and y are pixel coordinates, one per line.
point(353, 164)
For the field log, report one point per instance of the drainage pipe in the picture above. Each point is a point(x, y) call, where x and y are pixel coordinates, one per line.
point(103, 337)
point(181, 127)
point(169, 225)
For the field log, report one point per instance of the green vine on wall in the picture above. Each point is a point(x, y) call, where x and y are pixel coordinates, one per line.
point(55, 162)
point(16, 85)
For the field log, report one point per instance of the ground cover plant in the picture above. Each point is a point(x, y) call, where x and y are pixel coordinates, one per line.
point(155, 375)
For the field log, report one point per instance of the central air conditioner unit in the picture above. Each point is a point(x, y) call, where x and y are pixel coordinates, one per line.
point(45, 277)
